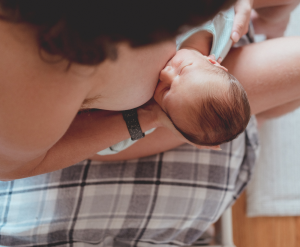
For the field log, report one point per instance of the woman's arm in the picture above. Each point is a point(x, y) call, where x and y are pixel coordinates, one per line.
point(43, 149)
point(162, 139)
point(269, 72)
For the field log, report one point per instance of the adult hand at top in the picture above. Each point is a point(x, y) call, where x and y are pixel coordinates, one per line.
point(242, 10)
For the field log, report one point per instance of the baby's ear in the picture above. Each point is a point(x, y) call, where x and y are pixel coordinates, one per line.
point(214, 62)
point(213, 57)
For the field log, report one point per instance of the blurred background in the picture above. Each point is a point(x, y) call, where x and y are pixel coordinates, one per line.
point(268, 213)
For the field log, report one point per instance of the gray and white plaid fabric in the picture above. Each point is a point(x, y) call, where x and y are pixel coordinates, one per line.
point(167, 199)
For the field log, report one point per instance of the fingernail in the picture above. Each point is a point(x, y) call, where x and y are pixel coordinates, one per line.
point(235, 37)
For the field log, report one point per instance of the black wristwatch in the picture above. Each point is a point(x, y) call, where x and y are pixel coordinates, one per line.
point(133, 125)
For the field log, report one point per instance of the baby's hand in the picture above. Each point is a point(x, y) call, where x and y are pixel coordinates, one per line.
point(212, 56)
point(241, 20)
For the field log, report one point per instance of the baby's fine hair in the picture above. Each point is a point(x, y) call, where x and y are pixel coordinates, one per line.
point(218, 119)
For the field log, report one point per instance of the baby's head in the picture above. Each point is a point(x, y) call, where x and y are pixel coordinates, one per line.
point(206, 104)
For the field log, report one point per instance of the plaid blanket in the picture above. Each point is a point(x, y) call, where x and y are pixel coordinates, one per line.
point(167, 199)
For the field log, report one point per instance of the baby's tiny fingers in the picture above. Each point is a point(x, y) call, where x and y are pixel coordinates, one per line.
point(212, 56)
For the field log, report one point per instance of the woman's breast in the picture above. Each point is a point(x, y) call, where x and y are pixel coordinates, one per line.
point(130, 81)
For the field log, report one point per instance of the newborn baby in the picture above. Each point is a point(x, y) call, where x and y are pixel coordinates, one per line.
point(206, 104)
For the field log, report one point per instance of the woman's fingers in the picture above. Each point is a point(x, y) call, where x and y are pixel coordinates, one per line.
point(241, 20)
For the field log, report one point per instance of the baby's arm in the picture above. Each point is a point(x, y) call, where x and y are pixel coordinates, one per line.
point(212, 37)
point(200, 41)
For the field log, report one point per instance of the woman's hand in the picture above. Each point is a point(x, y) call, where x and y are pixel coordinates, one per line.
point(242, 10)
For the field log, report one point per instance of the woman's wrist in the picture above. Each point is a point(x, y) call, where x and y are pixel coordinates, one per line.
point(148, 115)
point(147, 119)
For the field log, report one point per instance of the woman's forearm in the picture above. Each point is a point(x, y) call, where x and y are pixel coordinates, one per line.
point(160, 140)
point(90, 132)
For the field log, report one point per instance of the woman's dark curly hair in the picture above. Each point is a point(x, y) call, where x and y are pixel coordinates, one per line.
point(87, 31)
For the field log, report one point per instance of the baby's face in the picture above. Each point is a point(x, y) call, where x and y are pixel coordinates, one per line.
point(183, 81)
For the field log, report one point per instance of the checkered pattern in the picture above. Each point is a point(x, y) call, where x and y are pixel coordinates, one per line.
point(167, 199)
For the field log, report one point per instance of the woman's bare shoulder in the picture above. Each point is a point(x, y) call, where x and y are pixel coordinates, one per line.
point(39, 99)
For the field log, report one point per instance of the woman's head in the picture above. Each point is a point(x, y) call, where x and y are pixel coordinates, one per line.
point(87, 32)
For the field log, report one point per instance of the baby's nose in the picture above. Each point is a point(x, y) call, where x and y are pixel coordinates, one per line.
point(167, 74)
point(167, 68)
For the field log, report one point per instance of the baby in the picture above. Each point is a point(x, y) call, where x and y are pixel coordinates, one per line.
point(205, 103)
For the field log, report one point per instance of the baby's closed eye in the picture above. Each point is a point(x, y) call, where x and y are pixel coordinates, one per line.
point(181, 70)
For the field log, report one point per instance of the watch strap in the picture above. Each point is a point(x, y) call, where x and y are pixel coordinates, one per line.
point(133, 125)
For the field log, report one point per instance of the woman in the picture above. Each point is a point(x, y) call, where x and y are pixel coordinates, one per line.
point(54, 54)
point(154, 200)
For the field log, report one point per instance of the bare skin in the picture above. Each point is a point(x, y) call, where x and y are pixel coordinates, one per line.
point(276, 80)
point(39, 102)
point(272, 17)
